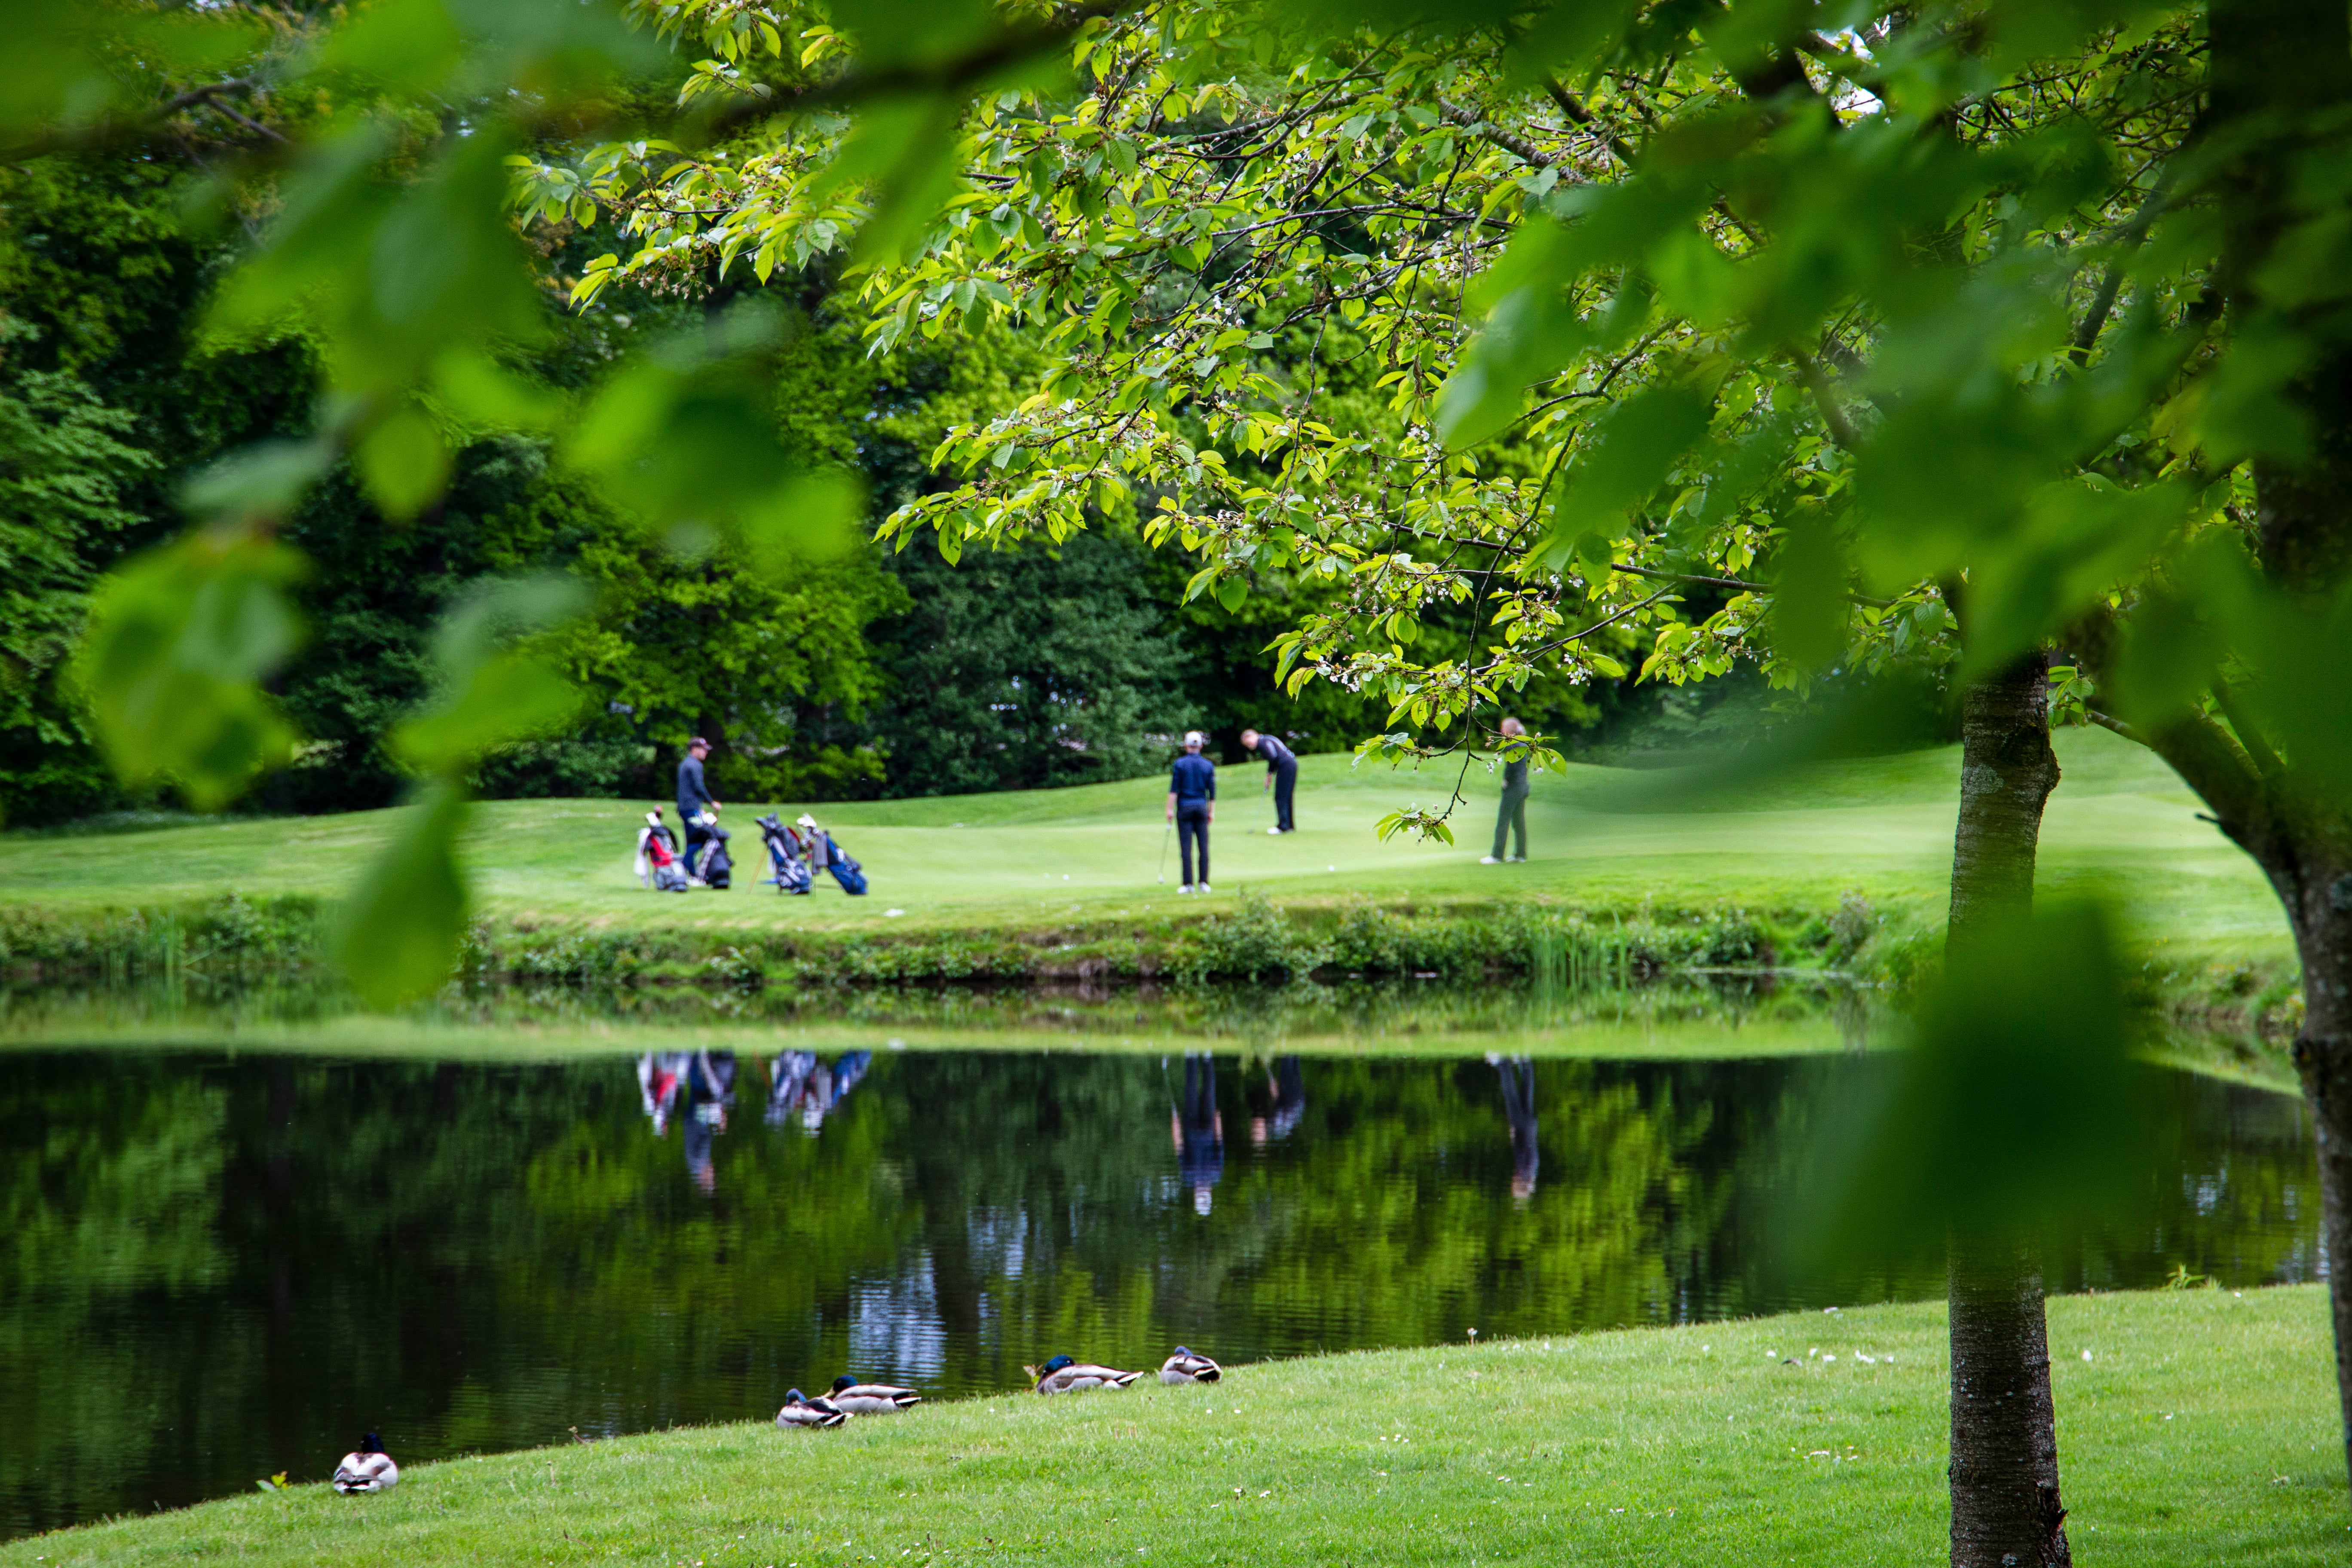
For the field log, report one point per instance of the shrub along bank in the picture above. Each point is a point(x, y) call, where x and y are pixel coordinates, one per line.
point(1251, 938)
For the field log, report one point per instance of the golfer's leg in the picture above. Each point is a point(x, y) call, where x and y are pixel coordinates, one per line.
point(1520, 821)
point(1285, 789)
point(1204, 845)
point(1183, 848)
point(1502, 823)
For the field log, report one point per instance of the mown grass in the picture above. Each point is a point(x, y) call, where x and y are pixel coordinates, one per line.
point(2120, 826)
point(2200, 1429)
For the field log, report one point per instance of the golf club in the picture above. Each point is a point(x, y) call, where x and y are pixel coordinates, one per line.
point(1164, 853)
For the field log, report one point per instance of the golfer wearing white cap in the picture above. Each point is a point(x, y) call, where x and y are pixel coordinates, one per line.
point(1192, 807)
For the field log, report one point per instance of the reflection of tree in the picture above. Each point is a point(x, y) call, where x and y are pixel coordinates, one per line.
point(212, 1270)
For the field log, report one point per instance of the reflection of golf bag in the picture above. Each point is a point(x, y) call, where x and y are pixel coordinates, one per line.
point(845, 871)
point(792, 875)
point(658, 867)
point(711, 860)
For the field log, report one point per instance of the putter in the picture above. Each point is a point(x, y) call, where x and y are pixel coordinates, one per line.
point(1163, 854)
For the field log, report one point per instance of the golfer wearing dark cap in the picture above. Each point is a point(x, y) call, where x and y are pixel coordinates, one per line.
point(693, 795)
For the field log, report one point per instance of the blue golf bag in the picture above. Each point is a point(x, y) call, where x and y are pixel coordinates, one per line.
point(845, 871)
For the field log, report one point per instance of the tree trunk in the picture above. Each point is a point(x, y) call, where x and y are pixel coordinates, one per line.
point(2280, 75)
point(2006, 1511)
point(2316, 888)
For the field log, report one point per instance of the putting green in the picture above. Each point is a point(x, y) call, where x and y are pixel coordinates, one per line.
point(2121, 826)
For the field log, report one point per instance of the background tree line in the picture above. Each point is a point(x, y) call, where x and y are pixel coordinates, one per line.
point(880, 673)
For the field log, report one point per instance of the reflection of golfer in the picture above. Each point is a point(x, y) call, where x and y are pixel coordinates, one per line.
point(1513, 818)
point(1281, 775)
point(1284, 1103)
point(1198, 1129)
point(709, 1091)
point(1519, 1111)
point(1192, 807)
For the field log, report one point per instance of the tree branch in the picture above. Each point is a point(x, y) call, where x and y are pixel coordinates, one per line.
point(990, 57)
point(1737, 584)
point(99, 134)
point(2103, 304)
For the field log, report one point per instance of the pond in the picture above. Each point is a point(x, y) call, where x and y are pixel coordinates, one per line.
point(222, 1266)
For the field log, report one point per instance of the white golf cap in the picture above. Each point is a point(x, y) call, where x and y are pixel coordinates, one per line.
point(1194, 738)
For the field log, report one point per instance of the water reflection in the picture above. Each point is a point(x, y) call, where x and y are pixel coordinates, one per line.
point(213, 1268)
point(1198, 1128)
point(1520, 1111)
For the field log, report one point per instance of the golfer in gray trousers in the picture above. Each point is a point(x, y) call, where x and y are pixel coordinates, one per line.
point(1512, 820)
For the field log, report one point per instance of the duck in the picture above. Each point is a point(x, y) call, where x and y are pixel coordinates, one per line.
point(800, 1410)
point(1063, 1375)
point(367, 1469)
point(870, 1398)
point(1188, 1366)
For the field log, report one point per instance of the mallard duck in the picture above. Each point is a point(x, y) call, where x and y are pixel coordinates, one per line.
point(870, 1398)
point(1063, 1375)
point(1185, 1366)
point(800, 1410)
point(367, 1469)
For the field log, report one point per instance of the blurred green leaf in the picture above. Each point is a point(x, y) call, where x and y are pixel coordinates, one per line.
point(2019, 1107)
point(403, 463)
point(490, 694)
point(399, 934)
point(509, 698)
point(1810, 602)
point(1638, 440)
point(690, 437)
point(180, 640)
point(259, 482)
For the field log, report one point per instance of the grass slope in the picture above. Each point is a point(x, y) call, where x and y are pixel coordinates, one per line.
point(2120, 826)
point(2201, 1429)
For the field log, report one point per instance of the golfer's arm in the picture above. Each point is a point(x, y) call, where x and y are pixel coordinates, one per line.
point(1171, 805)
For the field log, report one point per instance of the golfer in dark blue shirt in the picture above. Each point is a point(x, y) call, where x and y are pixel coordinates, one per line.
point(1192, 807)
point(693, 800)
point(1281, 775)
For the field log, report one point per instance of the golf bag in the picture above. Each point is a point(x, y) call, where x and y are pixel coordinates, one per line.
point(712, 864)
point(658, 866)
point(792, 867)
point(845, 871)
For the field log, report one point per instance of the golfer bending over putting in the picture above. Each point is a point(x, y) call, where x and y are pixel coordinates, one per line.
point(1281, 775)
point(1192, 807)
point(1513, 818)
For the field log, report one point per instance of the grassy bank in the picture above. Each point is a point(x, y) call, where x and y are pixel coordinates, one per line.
point(2200, 1428)
point(1843, 865)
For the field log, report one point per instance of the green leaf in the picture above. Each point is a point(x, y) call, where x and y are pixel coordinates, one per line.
point(403, 463)
point(179, 641)
point(2019, 1107)
point(1810, 606)
point(510, 699)
point(398, 935)
point(1639, 442)
point(1231, 590)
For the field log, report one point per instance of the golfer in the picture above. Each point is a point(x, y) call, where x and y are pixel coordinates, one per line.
point(1192, 807)
point(693, 795)
point(1513, 818)
point(1281, 775)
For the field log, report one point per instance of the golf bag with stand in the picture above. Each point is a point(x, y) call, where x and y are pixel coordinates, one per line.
point(845, 871)
point(710, 862)
point(792, 867)
point(658, 866)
